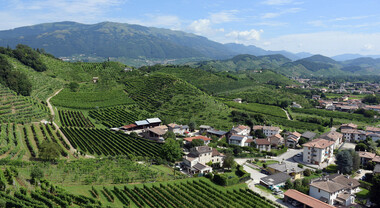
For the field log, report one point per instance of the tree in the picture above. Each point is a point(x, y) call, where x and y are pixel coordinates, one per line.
point(259, 133)
point(289, 184)
point(372, 146)
point(331, 122)
point(344, 161)
point(228, 161)
point(169, 134)
point(74, 87)
point(355, 160)
point(49, 151)
point(361, 147)
point(307, 172)
point(375, 189)
point(36, 173)
point(197, 142)
point(302, 141)
point(192, 126)
point(171, 151)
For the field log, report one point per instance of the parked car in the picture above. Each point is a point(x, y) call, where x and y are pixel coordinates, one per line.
point(359, 171)
point(298, 155)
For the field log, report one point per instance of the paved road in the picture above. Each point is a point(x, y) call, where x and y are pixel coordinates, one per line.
point(359, 175)
point(287, 114)
point(288, 156)
point(255, 175)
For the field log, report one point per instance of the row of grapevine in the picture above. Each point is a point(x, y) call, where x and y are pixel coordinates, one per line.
point(196, 193)
point(114, 116)
point(74, 118)
point(106, 142)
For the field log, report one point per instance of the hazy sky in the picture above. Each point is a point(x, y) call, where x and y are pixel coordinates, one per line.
point(327, 27)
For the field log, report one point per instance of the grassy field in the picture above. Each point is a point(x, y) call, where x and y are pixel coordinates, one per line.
point(258, 108)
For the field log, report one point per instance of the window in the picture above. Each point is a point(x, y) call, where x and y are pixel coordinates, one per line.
point(308, 147)
point(319, 190)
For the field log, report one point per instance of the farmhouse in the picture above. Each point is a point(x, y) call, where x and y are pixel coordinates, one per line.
point(178, 129)
point(240, 130)
point(238, 100)
point(152, 122)
point(156, 133)
point(204, 128)
point(318, 151)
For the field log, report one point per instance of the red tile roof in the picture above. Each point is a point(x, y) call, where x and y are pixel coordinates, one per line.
point(319, 143)
point(305, 199)
point(262, 142)
point(190, 139)
point(129, 126)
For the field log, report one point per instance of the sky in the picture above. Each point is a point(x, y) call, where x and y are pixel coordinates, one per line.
point(327, 27)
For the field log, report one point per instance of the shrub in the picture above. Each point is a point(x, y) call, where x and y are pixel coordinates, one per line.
point(307, 172)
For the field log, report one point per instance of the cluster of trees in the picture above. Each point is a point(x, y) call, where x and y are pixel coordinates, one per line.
point(367, 145)
point(15, 80)
point(299, 185)
point(347, 161)
point(371, 99)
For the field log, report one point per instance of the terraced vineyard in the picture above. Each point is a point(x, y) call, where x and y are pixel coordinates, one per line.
point(74, 118)
point(104, 142)
point(11, 146)
point(115, 116)
point(48, 196)
point(19, 109)
point(196, 193)
point(258, 108)
point(90, 99)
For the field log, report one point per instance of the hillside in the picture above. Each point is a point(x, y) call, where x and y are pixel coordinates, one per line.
point(109, 39)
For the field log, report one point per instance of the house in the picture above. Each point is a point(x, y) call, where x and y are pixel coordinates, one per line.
point(305, 200)
point(373, 136)
point(142, 124)
point(196, 160)
point(217, 133)
point(156, 133)
point(376, 170)
point(262, 144)
point(276, 140)
point(318, 151)
point(153, 122)
point(316, 97)
point(309, 135)
point(291, 169)
point(240, 130)
point(240, 140)
point(206, 140)
point(353, 135)
point(335, 189)
point(95, 79)
point(271, 130)
point(292, 139)
point(204, 128)
point(238, 100)
point(348, 126)
point(295, 105)
point(275, 180)
point(129, 127)
point(371, 129)
point(178, 129)
point(366, 157)
point(334, 136)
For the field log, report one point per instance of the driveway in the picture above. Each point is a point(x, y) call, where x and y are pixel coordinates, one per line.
point(288, 155)
point(348, 145)
point(359, 175)
point(255, 175)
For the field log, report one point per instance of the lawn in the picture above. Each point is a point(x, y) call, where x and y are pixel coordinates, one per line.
point(364, 193)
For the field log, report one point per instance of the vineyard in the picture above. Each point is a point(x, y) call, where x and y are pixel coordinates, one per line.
point(47, 195)
point(258, 108)
point(114, 116)
point(195, 193)
point(104, 142)
point(74, 118)
point(90, 99)
point(19, 109)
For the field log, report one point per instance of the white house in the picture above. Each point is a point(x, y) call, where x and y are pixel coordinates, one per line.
point(318, 151)
point(196, 160)
point(271, 130)
point(335, 189)
point(353, 135)
point(241, 130)
point(240, 140)
point(178, 129)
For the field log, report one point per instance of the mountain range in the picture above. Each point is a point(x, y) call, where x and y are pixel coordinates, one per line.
point(126, 42)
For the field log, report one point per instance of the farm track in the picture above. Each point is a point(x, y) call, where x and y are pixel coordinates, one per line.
point(287, 114)
point(72, 150)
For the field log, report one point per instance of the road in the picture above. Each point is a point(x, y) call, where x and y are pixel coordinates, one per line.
point(287, 114)
point(359, 175)
point(288, 155)
point(71, 150)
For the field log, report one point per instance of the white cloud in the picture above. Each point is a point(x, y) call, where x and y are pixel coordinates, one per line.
point(245, 37)
point(270, 15)
point(203, 27)
point(327, 43)
point(223, 16)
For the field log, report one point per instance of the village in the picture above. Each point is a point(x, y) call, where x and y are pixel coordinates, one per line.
point(307, 158)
